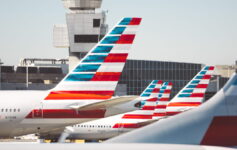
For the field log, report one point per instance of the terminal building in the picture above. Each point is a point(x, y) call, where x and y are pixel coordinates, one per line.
point(44, 74)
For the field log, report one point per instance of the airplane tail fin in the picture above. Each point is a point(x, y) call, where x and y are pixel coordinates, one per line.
point(163, 100)
point(152, 89)
point(97, 74)
point(192, 94)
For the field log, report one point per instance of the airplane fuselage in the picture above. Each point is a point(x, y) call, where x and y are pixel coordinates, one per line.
point(26, 112)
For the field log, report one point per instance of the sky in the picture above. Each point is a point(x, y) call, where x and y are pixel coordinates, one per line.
point(197, 31)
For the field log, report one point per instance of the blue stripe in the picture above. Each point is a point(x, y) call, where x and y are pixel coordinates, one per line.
point(154, 81)
point(110, 40)
point(86, 68)
point(191, 86)
point(148, 90)
point(203, 72)
point(152, 86)
point(145, 95)
point(79, 77)
point(187, 91)
point(102, 49)
point(166, 83)
point(118, 30)
point(125, 21)
point(95, 58)
point(195, 81)
point(163, 87)
point(198, 77)
point(184, 95)
point(206, 68)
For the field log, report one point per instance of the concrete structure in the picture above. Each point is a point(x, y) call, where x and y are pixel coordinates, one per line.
point(225, 70)
point(85, 27)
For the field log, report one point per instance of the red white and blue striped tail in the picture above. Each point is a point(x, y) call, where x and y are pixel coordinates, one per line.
point(192, 94)
point(131, 119)
point(97, 74)
point(163, 100)
point(152, 89)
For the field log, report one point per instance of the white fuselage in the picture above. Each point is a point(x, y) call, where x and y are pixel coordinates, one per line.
point(100, 129)
point(24, 112)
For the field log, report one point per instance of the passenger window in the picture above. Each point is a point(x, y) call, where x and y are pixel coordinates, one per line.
point(10, 110)
point(18, 110)
point(6, 110)
point(2, 110)
point(14, 110)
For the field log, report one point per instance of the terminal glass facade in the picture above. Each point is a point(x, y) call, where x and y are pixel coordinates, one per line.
point(137, 74)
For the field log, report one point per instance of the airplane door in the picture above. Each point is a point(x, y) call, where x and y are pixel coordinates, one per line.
point(38, 111)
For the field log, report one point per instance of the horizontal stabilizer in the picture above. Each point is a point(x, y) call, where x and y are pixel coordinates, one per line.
point(108, 103)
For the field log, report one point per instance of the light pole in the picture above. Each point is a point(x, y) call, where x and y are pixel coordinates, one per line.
point(27, 76)
point(1, 74)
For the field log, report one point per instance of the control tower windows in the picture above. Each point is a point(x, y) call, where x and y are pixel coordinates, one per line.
point(86, 38)
point(96, 23)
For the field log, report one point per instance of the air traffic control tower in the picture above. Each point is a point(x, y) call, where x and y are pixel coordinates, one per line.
point(85, 27)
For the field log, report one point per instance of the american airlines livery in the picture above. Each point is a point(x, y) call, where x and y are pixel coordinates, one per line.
point(164, 97)
point(115, 125)
point(92, 81)
point(212, 123)
point(192, 95)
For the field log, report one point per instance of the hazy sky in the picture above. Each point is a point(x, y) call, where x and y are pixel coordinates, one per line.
point(199, 31)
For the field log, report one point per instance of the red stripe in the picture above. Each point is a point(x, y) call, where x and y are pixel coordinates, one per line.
point(167, 91)
point(156, 90)
point(126, 125)
point(106, 76)
point(221, 132)
point(161, 106)
point(170, 113)
point(126, 39)
point(134, 116)
point(67, 113)
point(164, 99)
point(206, 77)
point(152, 99)
point(79, 95)
point(211, 68)
point(148, 108)
point(135, 21)
point(180, 104)
point(202, 86)
point(116, 58)
point(197, 95)
point(160, 82)
point(159, 114)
